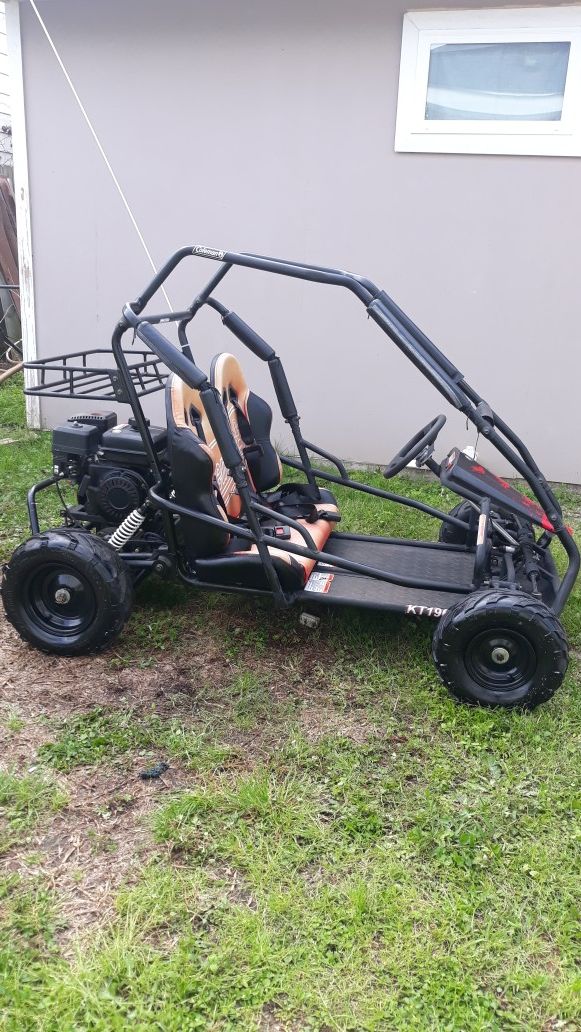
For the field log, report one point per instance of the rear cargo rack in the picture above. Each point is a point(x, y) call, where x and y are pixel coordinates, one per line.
point(93, 375)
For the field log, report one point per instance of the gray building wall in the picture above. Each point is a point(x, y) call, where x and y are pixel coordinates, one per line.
point(268, 126)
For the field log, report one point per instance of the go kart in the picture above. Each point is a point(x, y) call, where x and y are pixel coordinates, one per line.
point(203, 499)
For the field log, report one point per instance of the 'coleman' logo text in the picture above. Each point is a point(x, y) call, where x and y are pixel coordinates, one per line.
point(208, 252)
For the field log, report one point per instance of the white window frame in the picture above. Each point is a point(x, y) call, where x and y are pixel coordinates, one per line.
point(423, 29)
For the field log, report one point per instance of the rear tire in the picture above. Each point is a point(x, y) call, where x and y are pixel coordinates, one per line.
point(67, 592)
point(501, 648)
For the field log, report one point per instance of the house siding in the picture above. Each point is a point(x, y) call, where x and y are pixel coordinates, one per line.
point(269, 127)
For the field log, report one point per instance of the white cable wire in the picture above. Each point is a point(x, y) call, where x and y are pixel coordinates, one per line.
point(99, 144)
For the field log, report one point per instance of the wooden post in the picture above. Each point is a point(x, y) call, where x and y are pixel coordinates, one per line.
point(22, 199)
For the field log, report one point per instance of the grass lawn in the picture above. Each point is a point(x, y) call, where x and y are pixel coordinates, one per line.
point(336, 844)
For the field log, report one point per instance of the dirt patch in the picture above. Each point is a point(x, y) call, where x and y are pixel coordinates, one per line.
point(44, 684)
point(98, 842)
point(36, 682)
point(41, 691)
point(35, 685)
point(102, 838)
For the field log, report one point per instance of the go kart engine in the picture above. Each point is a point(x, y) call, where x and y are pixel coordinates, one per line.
point(108, 463)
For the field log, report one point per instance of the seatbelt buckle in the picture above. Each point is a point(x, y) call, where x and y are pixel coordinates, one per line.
point(282, 533)
point(331, 517)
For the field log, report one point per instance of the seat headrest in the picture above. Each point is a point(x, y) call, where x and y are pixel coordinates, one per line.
point(185, 407)
point(227, 377)
point(250, 418)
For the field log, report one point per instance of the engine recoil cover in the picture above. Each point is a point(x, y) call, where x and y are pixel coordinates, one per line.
point(114, 493)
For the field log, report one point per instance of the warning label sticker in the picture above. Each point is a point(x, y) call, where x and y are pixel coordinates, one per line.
point(320, 582)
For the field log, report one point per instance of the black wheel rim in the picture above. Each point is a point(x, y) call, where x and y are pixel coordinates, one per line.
point(501, 660)
point(59, 600)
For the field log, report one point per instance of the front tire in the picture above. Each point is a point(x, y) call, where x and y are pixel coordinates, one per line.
point(67, 592)
point(501, 648)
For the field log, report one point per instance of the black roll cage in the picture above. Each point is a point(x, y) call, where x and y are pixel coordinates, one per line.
point(417, 347)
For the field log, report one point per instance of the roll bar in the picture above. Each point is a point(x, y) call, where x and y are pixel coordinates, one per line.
point(423, 353)
point(394, 322)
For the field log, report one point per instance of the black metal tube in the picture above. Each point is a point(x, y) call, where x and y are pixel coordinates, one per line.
point(412, 350)
point(31, 500)
point(131, 394)
point(371, 288)
point(297, 270)
point(239, 476)
point(216, 414)
point(173, 359)
point(163, 317)
point(282, 389)
point(252, 340)
point(422, 339)
point(312, 273)
point(211, 285)
point(307, 466)
point(406, 335)
point(289, 411)
point(568, 582)
point(525, 464)
point(327, 455)
point(139, 560)
point(412, 503)
point(214, 521)
point(325, 557)
point(516, 442)
point(422, 352)
point(543, 494)
point(546, 499)
point(229, 589)
point(345, 535)
point(195, 306)
point(195, 378)
point(160, 277)
point(505, 429)
point(183, 339)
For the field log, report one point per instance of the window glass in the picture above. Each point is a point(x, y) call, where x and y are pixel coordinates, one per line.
point(505, 81)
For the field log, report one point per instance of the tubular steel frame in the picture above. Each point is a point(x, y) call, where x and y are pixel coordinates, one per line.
point(417, 347)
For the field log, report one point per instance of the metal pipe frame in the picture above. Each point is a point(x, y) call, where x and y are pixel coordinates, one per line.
point(412, 503)
point(31, 499)
point(420, 350)
point(310, 553)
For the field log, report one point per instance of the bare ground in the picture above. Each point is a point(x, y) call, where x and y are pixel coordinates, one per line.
point(101, 838)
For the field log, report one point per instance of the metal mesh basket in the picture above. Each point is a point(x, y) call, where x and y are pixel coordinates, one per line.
point(93, 375)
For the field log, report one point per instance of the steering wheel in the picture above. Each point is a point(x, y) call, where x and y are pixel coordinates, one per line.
point(410, 451)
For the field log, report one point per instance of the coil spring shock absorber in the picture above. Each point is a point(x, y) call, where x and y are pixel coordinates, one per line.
point(125, 531)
